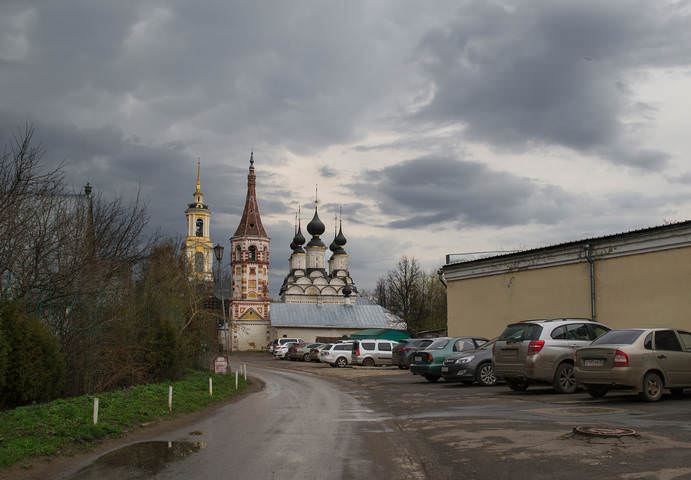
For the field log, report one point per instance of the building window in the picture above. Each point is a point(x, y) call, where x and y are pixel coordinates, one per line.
point(253, 254)
point(199, 262)
point(238, 254)
point(252, 271)
point(200, 228)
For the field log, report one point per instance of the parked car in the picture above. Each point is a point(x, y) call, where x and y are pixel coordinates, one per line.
point(281, 350)
point(372, 352)
point(302, 351)
point(646, 360)
point(541, 351)
point(292, 353)
point(271, 345)
point(428, 362)
point(337, 354)
point(404, 349)
point(472, 366)
point(314, 352)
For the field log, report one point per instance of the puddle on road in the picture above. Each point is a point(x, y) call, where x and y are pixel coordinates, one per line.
point(139, 460)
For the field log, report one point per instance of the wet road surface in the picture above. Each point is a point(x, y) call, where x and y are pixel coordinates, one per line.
point(298, 426)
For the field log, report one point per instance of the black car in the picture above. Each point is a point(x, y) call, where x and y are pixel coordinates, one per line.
point(403, 351)
point(470, 367)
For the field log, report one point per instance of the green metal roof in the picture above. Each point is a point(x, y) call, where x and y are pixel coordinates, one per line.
point(380, 333)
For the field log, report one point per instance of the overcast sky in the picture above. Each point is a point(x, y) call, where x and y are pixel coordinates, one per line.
point(441, 127)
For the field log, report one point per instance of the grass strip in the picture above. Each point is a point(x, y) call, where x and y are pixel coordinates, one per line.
point(63, 425)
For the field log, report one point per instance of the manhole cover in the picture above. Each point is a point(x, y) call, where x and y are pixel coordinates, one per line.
point(605, 431)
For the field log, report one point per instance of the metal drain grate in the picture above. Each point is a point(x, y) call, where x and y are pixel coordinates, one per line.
point(605, 431)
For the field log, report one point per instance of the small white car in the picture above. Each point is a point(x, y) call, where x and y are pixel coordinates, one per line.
point(337, 355)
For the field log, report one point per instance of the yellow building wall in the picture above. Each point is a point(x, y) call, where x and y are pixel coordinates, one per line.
point(646, 290)
point(483, 306)
point(650, 289)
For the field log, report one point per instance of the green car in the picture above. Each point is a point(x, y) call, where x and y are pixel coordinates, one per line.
point(428, 362)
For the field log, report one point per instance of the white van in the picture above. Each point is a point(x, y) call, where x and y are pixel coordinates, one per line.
point(373, 352)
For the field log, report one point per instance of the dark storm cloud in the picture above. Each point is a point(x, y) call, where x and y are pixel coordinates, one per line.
point(297, 74)
point(556, 73)
point(435, 190)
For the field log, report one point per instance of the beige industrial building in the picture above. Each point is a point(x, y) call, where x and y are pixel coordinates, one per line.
point(633, 279)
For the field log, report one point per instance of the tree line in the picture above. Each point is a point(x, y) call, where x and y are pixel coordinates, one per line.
point(88, 301)
point(417, 297)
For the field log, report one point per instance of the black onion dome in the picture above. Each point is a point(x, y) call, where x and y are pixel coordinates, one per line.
point(315, 227)
point(292, 245)
point(347, 290)
point(333, 246)
point(299, 239)
point(340, 239)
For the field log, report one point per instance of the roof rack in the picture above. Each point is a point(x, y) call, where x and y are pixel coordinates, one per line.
point(558, 319)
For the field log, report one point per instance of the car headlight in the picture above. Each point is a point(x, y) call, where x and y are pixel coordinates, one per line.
point(464, 360)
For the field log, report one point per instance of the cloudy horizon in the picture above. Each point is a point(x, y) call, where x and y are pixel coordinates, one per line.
point(446, 128)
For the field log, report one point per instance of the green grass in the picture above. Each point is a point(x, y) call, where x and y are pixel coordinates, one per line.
point(61, 426)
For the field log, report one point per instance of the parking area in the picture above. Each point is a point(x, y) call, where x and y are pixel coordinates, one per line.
point(493, 431)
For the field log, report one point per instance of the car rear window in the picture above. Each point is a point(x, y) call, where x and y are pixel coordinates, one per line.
point(438, 344)
point(618, 337)
point(343, 346)
point(521, 331)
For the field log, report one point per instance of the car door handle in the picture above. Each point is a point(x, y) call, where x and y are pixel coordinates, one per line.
point(661, 356)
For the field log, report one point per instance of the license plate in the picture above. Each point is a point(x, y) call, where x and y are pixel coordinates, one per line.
point(444, 369)
point(418, 358)
point(593, 363)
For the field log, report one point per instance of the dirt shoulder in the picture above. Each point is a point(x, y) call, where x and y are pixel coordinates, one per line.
point(46, 467)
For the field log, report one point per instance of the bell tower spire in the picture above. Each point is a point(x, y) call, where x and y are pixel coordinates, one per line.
point(198, 246)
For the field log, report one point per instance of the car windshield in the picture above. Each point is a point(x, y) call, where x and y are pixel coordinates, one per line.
point(618, 337)
point(521, 331)
point(438, 344)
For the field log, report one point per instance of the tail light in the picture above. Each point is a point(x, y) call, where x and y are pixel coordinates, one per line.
point(404, 349)
point(493, 346)
point(429, 357)
point(357, 352)
point(621, 359)
point(535, 346)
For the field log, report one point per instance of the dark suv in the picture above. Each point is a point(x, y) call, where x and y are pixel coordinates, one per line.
point(403, 351)
point(541, 351)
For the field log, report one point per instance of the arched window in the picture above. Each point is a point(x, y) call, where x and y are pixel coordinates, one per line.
point(200, 227)
point(253, 254)
point(238, 254)
point(199, 262)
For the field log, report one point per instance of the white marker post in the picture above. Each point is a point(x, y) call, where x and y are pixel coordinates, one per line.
point(244, 370)
point(236, 379)
point(211, 387)
point(95, 410)
point(170, 398)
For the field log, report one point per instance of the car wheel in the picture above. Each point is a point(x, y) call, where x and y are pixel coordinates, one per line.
point(517, 385)
point(597, 391)
point(564, 379)
point(652, 387)
point(341, 362)
point(484, 375)
point(431, 378)
point(306, 357)
point(368, 362)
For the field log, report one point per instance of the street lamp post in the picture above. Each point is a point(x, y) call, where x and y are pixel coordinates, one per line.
point(218, 251)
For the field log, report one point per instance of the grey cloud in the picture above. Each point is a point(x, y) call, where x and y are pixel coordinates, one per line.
point(436, 190)
point(553, 73)
point(327, 172)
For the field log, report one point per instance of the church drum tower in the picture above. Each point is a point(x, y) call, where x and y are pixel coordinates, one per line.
point(249, 262)
point(198, 246)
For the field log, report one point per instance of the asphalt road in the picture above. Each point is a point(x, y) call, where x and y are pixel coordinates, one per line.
point(312, 421)
point(298, 426)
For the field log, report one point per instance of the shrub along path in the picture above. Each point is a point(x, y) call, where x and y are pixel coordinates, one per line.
point(66, 425)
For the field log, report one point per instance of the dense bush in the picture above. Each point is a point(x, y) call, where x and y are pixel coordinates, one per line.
point(31, 366)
